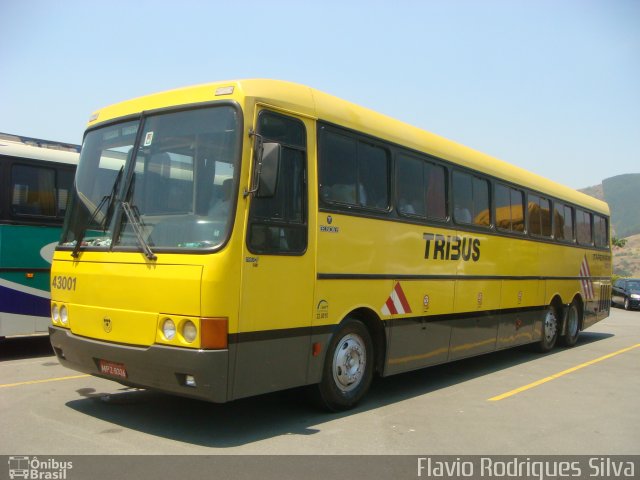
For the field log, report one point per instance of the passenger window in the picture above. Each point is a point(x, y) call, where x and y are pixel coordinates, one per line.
point(509, 208)
point(278, 224)
point(601, 232)
point(339, 169)
point(373, 168)
point(539, 216)
point(33, 191)
point(353, 172)
point(563, 223)
point(471, 200)
point(63, 190)
point(410, 186)
point(584, 227)
point(421, 188)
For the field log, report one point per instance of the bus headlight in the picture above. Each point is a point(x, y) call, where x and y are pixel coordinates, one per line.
point(55, 313)
point(169, 329)
point(189, 331)
point(64, 315)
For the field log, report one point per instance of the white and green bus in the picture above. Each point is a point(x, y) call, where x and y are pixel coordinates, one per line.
point(36, 177)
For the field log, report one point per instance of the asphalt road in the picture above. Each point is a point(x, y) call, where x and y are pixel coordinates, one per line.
point(551, 407)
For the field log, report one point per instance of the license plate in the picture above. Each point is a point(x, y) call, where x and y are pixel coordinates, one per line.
point(113, 369)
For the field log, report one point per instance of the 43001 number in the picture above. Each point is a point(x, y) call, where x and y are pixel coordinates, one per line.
point(60, 282)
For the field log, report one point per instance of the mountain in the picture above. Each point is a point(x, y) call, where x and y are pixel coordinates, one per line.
point(626, 260)
point(622, 193)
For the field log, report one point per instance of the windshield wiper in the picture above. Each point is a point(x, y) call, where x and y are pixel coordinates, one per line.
point(110, 201)
point(133, 216)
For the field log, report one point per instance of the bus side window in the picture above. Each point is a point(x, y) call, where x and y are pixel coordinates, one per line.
point(471, 200)
point(421, 188)
point(33, 191)
point(563, 222)
point(353, 172)
point(63, 189)
point(539, 216)
point(436, 184)
point(410, 186)
point(373, 173)
point(509, 208)
point(584, 228)
point(339, 169)
point(481, 211)
point(601, 231)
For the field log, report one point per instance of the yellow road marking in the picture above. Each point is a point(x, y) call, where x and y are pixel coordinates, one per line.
point(32, 382)
point(560, 374)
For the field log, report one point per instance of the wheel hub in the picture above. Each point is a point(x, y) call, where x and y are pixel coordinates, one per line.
point(572, 322)
point(349, 362)
point(550, 326)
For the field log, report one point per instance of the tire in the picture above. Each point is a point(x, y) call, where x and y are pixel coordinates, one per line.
point(627, 305)
point(348, 368)
point(570, 338)
point(550, 327)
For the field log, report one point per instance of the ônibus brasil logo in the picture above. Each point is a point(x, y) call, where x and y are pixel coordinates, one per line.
point(36, 469)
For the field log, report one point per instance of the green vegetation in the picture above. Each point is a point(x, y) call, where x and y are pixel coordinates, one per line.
point(618, 242)
point(626, 260)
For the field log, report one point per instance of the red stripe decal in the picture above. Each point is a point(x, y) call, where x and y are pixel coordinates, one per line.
point(391, 306)
point(402, 298)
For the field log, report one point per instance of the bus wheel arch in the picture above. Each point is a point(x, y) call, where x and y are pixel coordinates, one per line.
point(572, 323)
point(377, 331)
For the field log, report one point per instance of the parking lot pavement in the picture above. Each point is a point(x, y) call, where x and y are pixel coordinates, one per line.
point(570, 401)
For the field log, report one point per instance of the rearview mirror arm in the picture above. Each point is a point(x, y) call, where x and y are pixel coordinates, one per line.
point(257, 155)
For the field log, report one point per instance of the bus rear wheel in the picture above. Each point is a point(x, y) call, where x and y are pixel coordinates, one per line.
point(348, 367)
point(550, 326)
point(570, 338)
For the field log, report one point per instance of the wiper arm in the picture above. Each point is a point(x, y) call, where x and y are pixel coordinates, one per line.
point(112, 200)
point(133, 216)
point(107, 216)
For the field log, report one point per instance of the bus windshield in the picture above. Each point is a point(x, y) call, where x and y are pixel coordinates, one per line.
point(177, 173)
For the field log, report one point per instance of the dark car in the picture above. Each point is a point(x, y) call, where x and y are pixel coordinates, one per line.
point(626, 291)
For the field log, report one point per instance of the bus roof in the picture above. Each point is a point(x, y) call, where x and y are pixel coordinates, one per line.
point(36, 149)
point(319, 105)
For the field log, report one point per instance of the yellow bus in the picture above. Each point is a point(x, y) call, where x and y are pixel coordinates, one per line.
point(237, 238)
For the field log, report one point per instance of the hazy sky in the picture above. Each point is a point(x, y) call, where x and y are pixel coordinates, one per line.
point(550, 85)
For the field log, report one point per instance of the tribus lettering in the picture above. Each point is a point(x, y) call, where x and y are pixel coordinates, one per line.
point(439, 247)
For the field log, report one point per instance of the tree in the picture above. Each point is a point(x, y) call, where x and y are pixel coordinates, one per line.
point(618, 242)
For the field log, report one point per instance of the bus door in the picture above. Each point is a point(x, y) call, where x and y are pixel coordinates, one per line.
point(273, 341)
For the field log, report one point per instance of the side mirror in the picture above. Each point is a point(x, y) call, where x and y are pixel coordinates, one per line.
point(265, 168)
point(268, 170)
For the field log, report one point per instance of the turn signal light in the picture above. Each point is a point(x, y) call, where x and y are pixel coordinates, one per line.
point(214, 333)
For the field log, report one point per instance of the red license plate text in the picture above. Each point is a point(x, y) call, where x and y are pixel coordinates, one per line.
point(113, 369)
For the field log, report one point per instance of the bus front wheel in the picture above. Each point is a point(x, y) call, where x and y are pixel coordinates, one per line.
point(348, 367)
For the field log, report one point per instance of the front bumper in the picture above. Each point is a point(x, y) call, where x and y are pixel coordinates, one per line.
point(155, 367)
